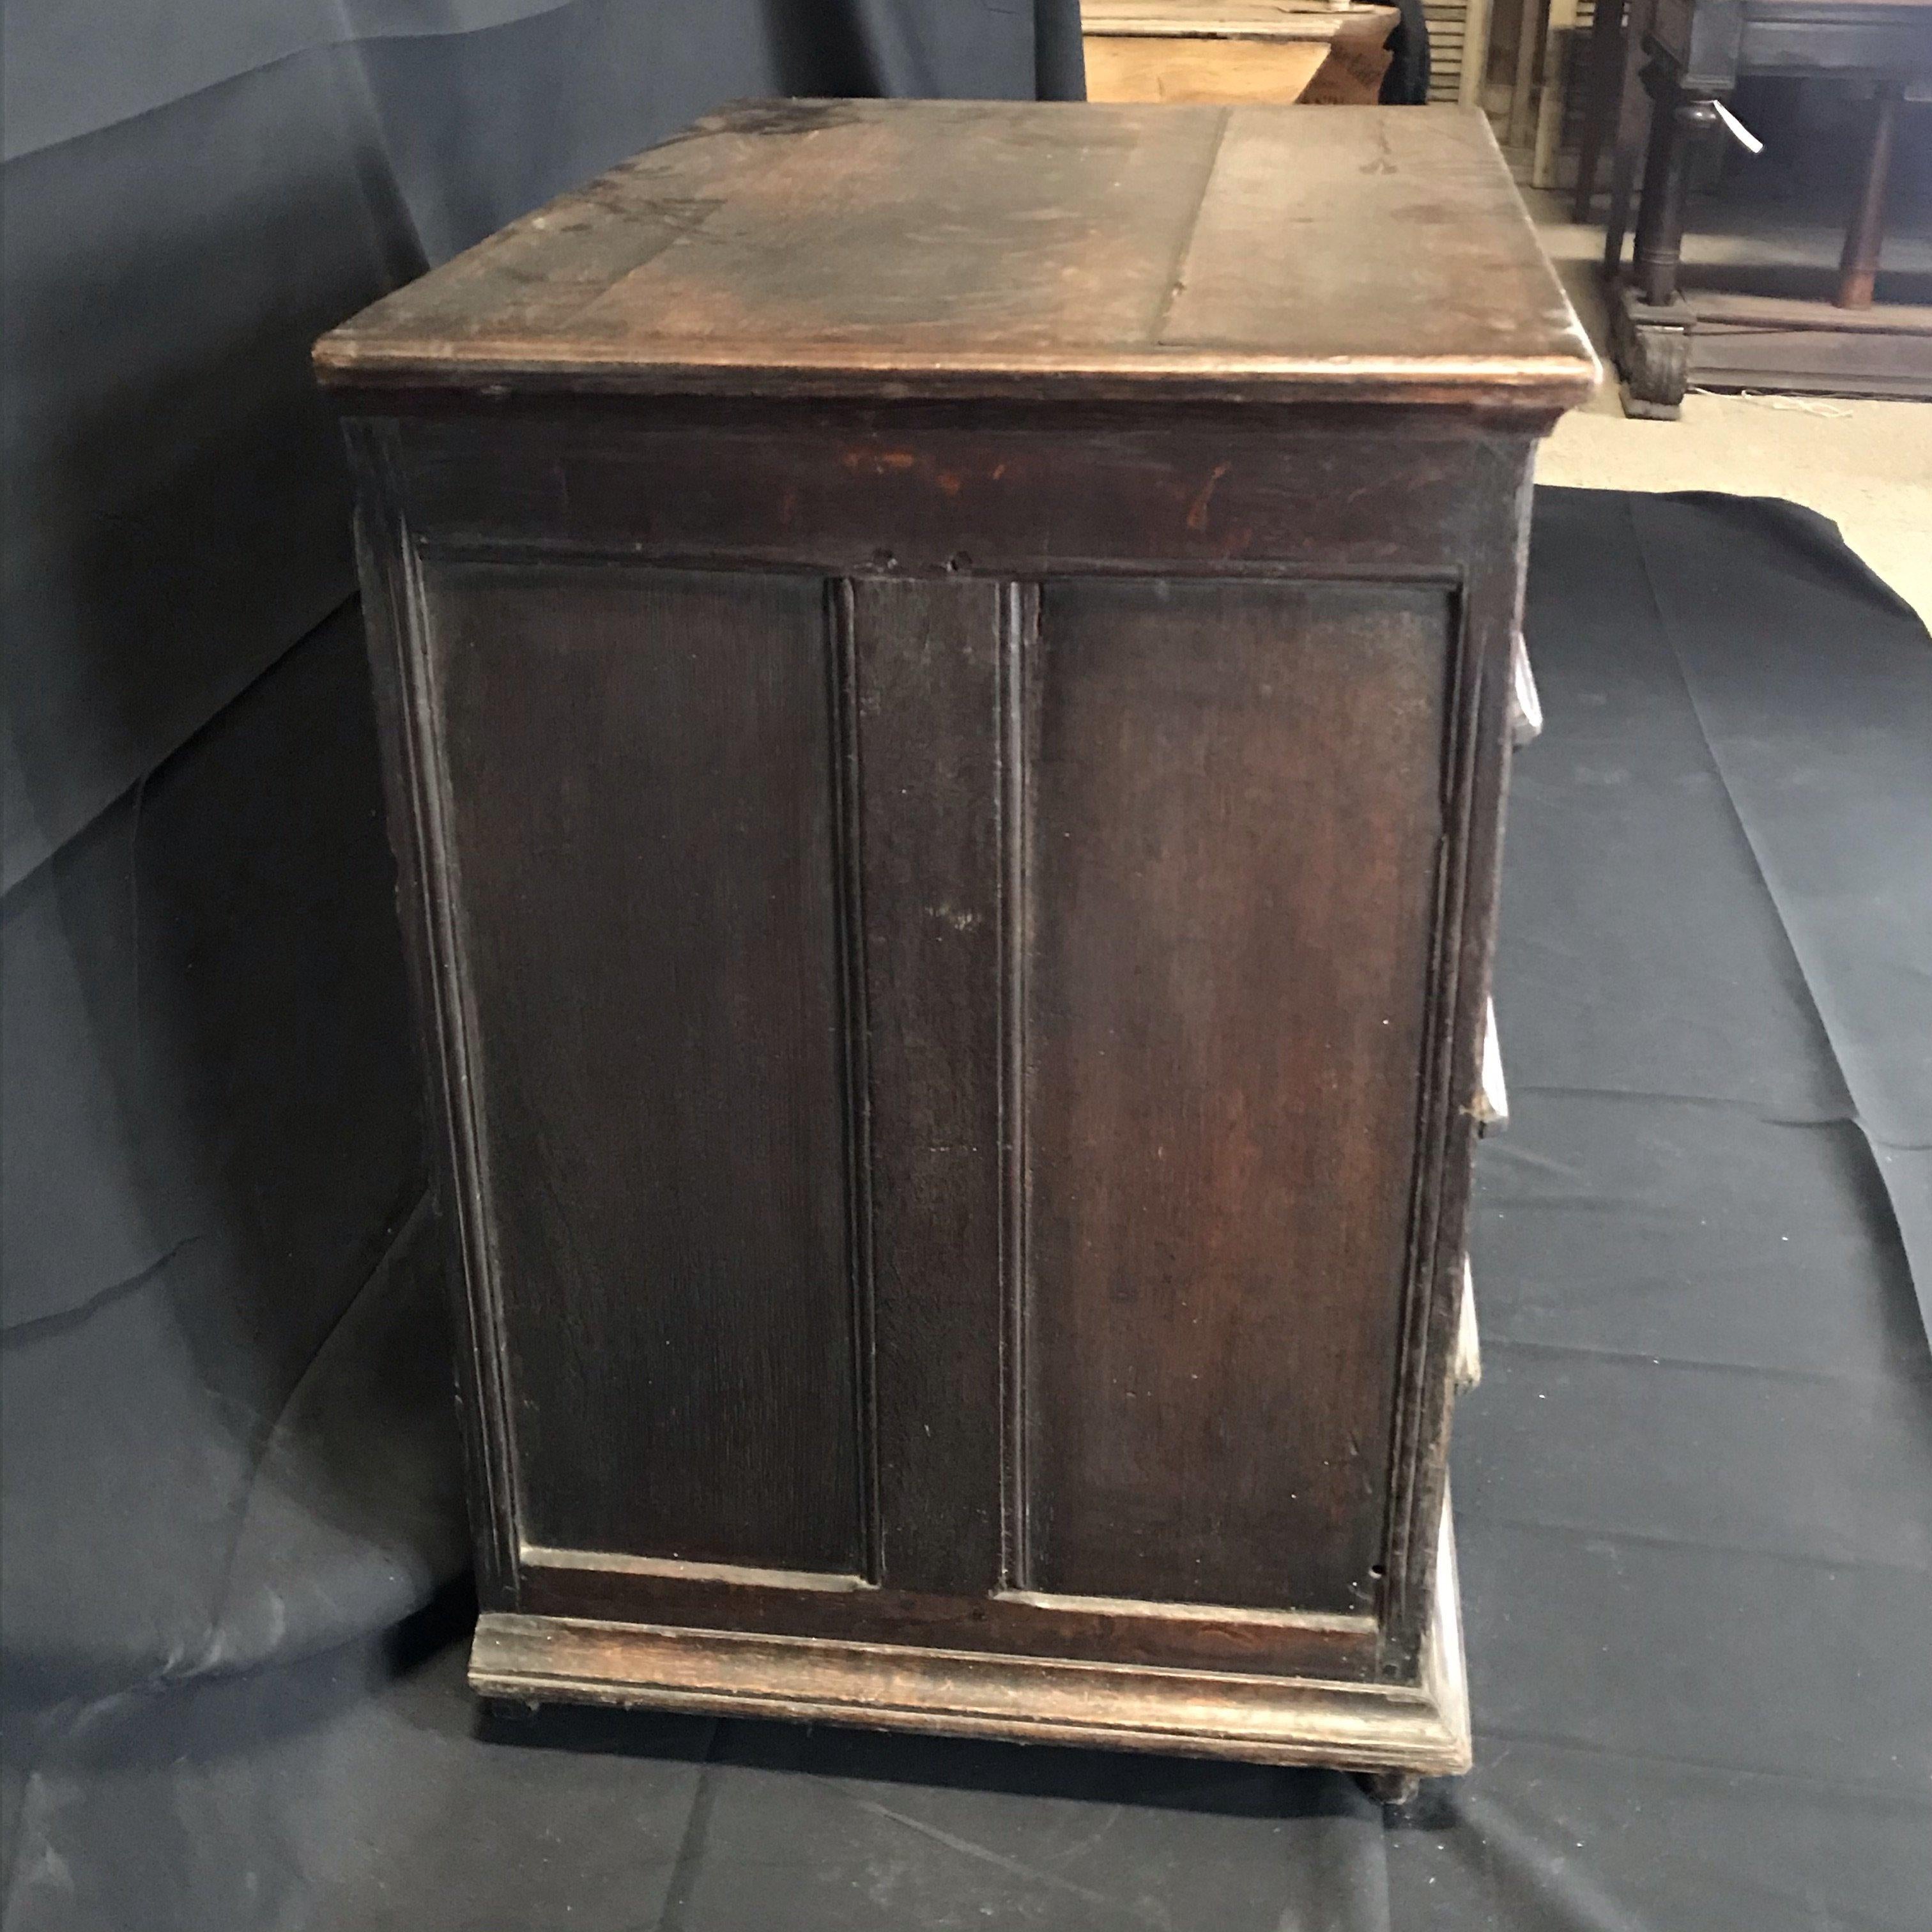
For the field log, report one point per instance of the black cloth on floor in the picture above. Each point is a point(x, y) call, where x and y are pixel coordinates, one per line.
point(1693, 1491)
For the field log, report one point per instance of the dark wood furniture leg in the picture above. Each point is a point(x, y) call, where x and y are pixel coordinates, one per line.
point(1674, 123)
point(1692, 55)
point(1606, 70)
point(1857, 271)
point(1632, 111)
point(1650, 323)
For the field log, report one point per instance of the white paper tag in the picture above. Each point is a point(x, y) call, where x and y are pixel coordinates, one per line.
point(1744, 138)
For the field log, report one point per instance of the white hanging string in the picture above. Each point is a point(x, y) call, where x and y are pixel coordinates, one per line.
point(1800, 406)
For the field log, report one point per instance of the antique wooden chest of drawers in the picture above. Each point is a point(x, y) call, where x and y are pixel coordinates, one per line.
point(946, 671)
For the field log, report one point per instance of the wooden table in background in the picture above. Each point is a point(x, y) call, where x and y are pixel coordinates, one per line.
point(947, 671)
point(1686, 56)
point(1251, 50)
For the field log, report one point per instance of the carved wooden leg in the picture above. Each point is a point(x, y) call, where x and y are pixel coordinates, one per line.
point(1858, 271)
point(1393, 1788)
point(1650, 321)
point(1652, 348)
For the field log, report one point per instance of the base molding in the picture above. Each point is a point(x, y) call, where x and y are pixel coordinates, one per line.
point(1371, 1727)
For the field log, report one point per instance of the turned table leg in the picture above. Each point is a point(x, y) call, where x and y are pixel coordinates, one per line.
point(1675, 122)
point(1650, 321)
point(1857, 271)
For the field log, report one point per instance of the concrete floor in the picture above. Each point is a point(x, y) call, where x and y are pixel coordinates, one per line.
point(1867, 465)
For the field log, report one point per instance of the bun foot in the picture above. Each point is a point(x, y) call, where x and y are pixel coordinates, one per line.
point(1393, 1788)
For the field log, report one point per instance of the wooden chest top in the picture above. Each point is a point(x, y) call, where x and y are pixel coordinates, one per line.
point(1226, 19)
point(874, 250)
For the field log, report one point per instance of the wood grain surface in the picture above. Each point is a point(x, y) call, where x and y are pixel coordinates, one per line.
point(638, 766)
point(1228, 19)
point(1121, 67)
point(927, 690)
point(893, 248)
point(1235, 812)
point(1422, 1726)
point(1235, 50)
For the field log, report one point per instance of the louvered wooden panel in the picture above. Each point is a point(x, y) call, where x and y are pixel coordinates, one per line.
point(1459, 39)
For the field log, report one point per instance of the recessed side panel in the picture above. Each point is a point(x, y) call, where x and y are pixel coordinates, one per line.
point(1235, 817)
point(927, 658)
point(640, 839)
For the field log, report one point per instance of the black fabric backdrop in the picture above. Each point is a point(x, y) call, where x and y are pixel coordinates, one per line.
point(193, 193)
point(224, 1433)
point(1694, 1487)
point(211, 1187)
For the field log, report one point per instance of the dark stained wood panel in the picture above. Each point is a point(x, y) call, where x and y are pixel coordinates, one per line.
point(983, 225)
point(897, 249)
point(927, 682)
point(1444, 261)
point(945, 490)
point(530, 279)
point(1235, 800)
point(640, 775)
point(1164, 1636)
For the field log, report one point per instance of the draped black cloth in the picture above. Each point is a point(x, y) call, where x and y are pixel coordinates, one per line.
point(223, 1383)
